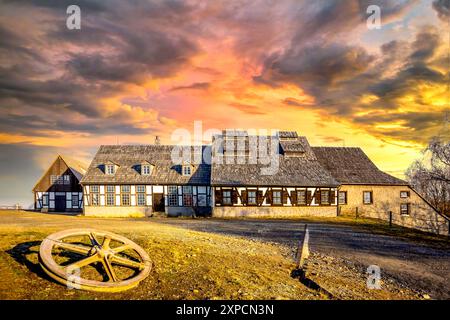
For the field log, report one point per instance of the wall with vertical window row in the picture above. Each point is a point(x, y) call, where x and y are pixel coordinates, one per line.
point(137, 200)
point(274, 201)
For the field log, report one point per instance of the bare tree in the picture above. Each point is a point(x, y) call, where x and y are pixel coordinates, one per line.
point(430, 176)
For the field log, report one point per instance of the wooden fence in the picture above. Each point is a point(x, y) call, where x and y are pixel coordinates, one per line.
point(13, 207)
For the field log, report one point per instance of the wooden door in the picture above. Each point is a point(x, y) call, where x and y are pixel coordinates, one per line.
point(60, 203)
point(158, 202)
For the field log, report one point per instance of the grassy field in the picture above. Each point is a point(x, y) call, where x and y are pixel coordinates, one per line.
point(187, 264)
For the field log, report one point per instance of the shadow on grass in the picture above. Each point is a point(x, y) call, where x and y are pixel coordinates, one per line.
point(301, 276)
point(21, 253)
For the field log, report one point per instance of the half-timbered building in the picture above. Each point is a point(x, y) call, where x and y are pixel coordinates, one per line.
point(366, 191)
point(126, 180)
point(59, 189)
point(296, 184)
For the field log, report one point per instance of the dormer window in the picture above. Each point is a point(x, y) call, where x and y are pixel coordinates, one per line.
point(110, 169)
point(187, 170)
point(146, 169)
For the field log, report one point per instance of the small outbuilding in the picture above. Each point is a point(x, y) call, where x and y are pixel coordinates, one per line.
point(59, 189)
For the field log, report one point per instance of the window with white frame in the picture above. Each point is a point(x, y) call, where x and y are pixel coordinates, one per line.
point(404, 194)
point(172, 196)
point(276, 197)
point(187, 170)
point(59, 179)
point(141, 199)
point(75, 200)
point(202, 200)
point(404, 208)
point(146, 169)
point(342, 197)
point(187, 196)
point(325, 197)
point(110, 169)
point(45, 199)
point(110, 199)
point(95, 197)
point(301, 197)
point(367, 197)
point(140, 190)
point(110, 195)
point(226, 197)
point(251, 197)
point(125, 195)
point(66, 179)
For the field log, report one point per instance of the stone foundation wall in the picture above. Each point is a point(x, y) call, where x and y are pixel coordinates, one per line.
point(274, 212)
point(387, 198)
point(117, 212)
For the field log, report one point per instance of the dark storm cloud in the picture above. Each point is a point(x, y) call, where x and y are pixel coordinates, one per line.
point(402, 82)
point(338, 76)
point(325, 19)
point(61, 94)
point(13, 43)
point(135, 58)
point(42, 126)
point(416, 120)
point(61, 5)
point(68, 72)
point(425, 45)
point(319, 66)
point(442, 8)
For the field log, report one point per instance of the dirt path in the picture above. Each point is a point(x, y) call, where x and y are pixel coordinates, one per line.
point(418, 265)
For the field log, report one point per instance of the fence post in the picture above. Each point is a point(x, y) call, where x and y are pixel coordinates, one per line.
point(303, 249)
point(390, 219)
point(356, 212)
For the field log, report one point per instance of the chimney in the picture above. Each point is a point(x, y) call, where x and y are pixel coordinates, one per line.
point(157, 141)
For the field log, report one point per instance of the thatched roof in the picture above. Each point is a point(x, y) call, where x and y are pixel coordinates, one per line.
point(299, 164)
point(352, 166)
point(300, 170)
point(129, 158)
point(76, 166)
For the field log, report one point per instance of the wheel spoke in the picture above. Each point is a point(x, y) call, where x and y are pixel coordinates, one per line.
point(94, 240)
point(73, 247)
point(127, 262)
point(83, 262)
point(109, 270)
point(106, 242)
point(121, 248)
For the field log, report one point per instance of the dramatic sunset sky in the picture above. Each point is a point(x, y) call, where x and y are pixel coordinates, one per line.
point(140, 68)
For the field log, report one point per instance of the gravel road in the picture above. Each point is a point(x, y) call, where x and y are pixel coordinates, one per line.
point(418, 265)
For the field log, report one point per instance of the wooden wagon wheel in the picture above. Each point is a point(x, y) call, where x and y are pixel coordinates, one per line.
point(99, 251)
